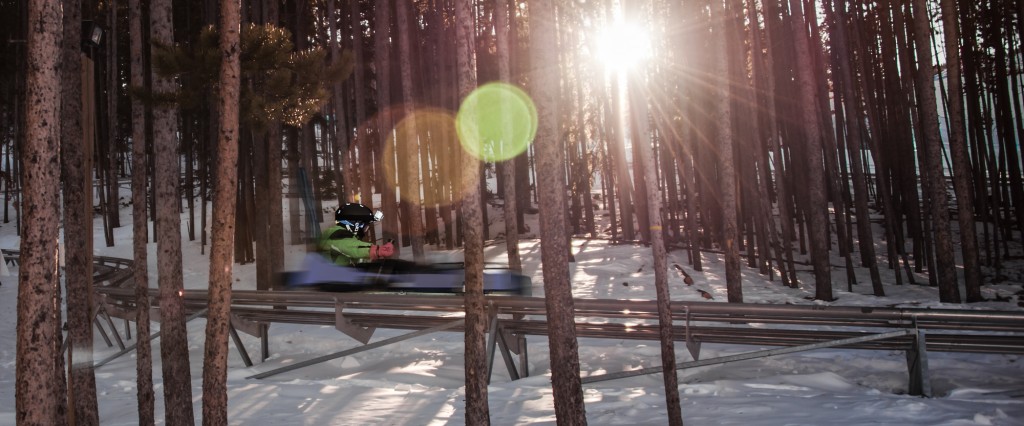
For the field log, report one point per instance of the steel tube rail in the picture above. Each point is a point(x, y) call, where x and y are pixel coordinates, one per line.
point(788, 328)
point(366, 347)
point(842, 316)
point(712, 322)
point(746, 356)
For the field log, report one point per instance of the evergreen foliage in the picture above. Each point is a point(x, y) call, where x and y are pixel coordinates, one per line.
point(279, 84)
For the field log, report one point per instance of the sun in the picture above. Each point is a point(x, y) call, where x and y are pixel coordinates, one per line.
point(622, 46)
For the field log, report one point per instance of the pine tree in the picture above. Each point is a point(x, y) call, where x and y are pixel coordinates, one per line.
point(166, 174)
point(565, 377)
point(76, 145)
point(215, 362)
point(140, 223)
point(36, 385)
point(477, 412)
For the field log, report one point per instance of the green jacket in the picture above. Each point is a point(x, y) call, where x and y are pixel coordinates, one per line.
point(342, 247)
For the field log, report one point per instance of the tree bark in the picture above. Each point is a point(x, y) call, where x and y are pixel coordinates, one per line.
point(78, 214)
point(337, 125)
point(624, 184)
point(113, 83)
point(665, 327)
point(853, 128)
point(362, 138)
point(476, 369)
point(564, 349)
point(218, 319)
point(812, 137)
point(140, 223)
point(174, 339)
point(726, 167)
point(407, 142)
point(384, 163)
point(37, 397)
point(945, 266)
point(507, 167)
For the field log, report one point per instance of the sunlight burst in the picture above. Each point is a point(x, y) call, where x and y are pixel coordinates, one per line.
point(622, 46)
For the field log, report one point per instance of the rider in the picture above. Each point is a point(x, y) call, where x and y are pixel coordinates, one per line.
point(343, 243)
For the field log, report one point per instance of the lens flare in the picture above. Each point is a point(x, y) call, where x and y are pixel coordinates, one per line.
point(431, 131)
point(496, 122)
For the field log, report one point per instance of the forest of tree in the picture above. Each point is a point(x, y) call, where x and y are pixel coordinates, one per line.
point(775, 132)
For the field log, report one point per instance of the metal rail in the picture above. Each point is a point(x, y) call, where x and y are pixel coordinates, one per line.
point(949, 330)
point(513, 318)
point(746, 356)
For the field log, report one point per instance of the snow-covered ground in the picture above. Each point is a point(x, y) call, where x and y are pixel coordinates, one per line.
point(420, 381)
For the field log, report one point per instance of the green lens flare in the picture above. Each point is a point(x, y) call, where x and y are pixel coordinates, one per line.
point(496, 122)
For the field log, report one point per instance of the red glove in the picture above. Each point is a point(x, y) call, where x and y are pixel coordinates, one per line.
point(384, 250)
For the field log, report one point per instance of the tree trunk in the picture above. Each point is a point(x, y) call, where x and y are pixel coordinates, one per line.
point(275, 197)
point(259, 145)
point(174, 339)
point(726, 167)
point(975, 134)
point(507, 167)
point(140, 223)
point(564, 349)
point(407, 141)
point(692, 62)
point(624, 184)
point(274, 176)
point(336, 126)
point(191, 132)
point(78, 213)
point(1009, 184)
point(362, 138)
point(764, 83)
point(384, 164)
point(812, 137)
point(962, 173)
point(853, 123)
point(876, 113)
point(37, 396)
point(244, 219)
point(904, 122)
point(292, 137)
point(945, 266)
point(218, 319)
point(830, 150)
point(665, 327)
point(476, 370)
point(112, 188)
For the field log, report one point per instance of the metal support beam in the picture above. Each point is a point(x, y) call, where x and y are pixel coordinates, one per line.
point(239, 345)
point(511, 340)
point(917, 366)
point(359, 349)
point(344, 325)
point(524, 365)
point(99, 327)
point(113, 328)
point(506, 355)
point(497, 338)
point(748, 355)
point(103, 332)
point(492, 332)
point(692, 344)
point(264, 342)
point(151, 338)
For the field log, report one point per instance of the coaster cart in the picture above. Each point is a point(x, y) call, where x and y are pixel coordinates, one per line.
point(401, 276)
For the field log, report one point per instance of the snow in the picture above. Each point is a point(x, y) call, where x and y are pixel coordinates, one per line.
point(420, 381)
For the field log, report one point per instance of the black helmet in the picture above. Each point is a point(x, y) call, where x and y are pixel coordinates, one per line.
point(354, 217)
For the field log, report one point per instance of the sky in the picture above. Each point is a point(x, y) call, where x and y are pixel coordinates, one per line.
point(420, 381)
